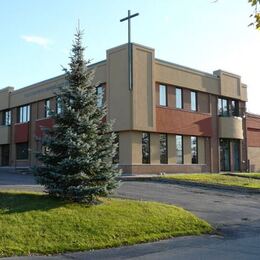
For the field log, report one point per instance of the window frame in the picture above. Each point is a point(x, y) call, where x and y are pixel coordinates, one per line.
point(165, 103)
point(146, 159)
point(100, 96)
point(176, 148)
point(47, 107)
point(196, 150)
point(7, 117)
point(177, 99)
point(24, 114)
point(166, 149)
point(196, 100)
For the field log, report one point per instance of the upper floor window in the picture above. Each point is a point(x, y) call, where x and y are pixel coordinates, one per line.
point(234, 108)
point(163, 149)
point(58, 105)
point(193, 100)
point(24, 114)
point(179, 98)
point(163, 95)
point(100, 95)
point(7, 117)
point(194, 149)
point(179, 149)
point(146, 148)
point(228, 107)
point(47, 108)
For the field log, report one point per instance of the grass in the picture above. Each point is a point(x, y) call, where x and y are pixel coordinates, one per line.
point(33, 223)
point(216, 179)
point(248, 175)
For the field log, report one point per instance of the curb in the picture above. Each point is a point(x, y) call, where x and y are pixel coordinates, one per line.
point(193, 184)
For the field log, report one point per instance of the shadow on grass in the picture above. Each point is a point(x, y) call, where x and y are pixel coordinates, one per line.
point(12, 202)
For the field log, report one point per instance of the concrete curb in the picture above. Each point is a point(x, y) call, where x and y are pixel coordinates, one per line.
point(191, 184)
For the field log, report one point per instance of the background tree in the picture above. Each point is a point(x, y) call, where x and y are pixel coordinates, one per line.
point(256, 14)
point(77, 152)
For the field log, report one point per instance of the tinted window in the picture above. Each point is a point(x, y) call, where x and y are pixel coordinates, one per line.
point(145, 148)
point(179, 98)
point(163, 149)
point(163, 95)
point(179, 149)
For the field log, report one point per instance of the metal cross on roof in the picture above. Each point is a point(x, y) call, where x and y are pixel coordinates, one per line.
point(130, 70)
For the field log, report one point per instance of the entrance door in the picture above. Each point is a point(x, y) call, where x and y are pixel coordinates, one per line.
point(236, 154)
point(5, 155)
point(224, 155)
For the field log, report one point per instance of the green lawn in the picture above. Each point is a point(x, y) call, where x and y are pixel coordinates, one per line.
point(249, 175)
point(33, 223)
point(217, 179)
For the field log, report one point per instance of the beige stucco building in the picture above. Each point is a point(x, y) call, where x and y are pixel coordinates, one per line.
point(174, 119)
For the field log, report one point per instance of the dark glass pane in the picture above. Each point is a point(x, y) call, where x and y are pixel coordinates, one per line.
point(179, 149)
point(22, 151)
point(194, 149)
point(224, 154)
point(163, 149)
point(146, 148)
point(116, 156)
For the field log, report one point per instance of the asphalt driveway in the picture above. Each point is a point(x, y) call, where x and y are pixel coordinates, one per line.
point(236, 217)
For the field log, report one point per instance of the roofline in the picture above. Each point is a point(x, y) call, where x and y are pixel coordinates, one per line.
point(187, 68)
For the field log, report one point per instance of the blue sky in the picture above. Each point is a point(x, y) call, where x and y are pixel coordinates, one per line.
point(37, 36)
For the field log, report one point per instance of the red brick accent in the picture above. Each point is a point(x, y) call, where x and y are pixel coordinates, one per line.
point(21, 133)
point(253, 131)
point(43, 123)
point(182, 122)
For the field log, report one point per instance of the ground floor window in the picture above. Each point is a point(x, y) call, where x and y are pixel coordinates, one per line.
point(22, 151)
point(194, 149)
point(145, 148)
point(179, 149)
point(116, 156)
point(5, 155)
point(163, 149)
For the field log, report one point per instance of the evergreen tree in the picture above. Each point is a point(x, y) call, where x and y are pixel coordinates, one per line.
point(78, 151)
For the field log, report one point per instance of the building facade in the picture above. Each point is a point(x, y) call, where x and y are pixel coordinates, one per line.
point(174, 119)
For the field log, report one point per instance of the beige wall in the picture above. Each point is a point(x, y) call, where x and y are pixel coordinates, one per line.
point(230, 127)
point(155, 148)
point(130, 148)
point(4, 135)
point(119, 96)
point(5, 97)
point(176, 75)
point(254, 157)
point(143, 89)
point(171, 149)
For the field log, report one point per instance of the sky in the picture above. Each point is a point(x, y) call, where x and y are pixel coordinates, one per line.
point(36, 36)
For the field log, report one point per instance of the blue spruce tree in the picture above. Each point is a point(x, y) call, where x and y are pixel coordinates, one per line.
point(76, 159)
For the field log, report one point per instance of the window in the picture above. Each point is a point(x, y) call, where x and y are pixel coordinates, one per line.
point(163, 149)
point(193, 100)
point(116, 156)
point(24, 114)
point(22, 151)
point(227, 107)
point(163, 95)
point(224, 154)
point(47, 108)
point(179, 149)
point(194, 149)
point(145, 148)
point(100, 96)
point(7, 119)
point(223, 107)
point(179, 98)
point(58, 105)
point(234, 109)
